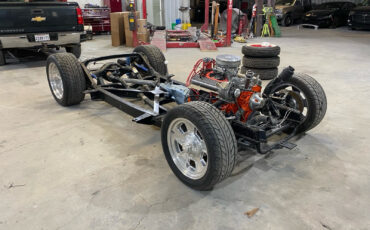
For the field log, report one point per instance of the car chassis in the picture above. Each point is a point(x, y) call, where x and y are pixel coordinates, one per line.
point(115, 94)
point(160, 92)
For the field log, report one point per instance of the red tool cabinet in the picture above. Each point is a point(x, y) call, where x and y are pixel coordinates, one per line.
point(113, 5)
point(98, 18)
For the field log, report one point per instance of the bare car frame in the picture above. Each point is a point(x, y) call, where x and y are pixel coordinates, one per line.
point(205, 121)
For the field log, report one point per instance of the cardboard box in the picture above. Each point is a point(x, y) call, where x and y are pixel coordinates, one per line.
point(141, 26)
point(128, 33)
point(117, 29)
point(144, 37)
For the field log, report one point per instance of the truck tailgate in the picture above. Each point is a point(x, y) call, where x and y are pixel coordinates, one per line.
point(36, 17)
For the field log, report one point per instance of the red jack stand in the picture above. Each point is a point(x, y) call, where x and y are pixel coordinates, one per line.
point(229, 18)
point(204, 27)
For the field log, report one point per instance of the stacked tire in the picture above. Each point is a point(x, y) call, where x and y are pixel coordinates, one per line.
point(262, 59)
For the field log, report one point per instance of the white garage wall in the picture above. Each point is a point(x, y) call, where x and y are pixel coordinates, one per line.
point(171, 9)
point(155, 11)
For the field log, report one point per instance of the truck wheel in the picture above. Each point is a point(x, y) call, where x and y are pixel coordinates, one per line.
point(199, 144)
point(335, 23)
point(2, 58)
point(258, 50)
point(155, 57)
point(286, 21)
point(306, 95)
point(66, 78)
point(261, 63)
point(75, 50)
point(265, 74)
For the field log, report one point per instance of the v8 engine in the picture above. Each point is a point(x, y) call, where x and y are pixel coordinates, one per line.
point(218, 82)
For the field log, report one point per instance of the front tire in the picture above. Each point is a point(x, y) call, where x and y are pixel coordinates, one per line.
point(307, 96)
point(66, 78)
point(199, 144)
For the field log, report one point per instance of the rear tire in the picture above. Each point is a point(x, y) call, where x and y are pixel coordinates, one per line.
point(212, 132)
point(314, 95)
point(2, 57)
point(75, 50)
point(155, 57)
point(66, 78)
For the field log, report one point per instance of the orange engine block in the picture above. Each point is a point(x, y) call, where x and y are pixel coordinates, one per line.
point(243, 102)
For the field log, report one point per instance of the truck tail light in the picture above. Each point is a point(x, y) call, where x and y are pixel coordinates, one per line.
point(80, 19)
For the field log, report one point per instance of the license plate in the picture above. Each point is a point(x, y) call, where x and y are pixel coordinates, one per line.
point(42, 37)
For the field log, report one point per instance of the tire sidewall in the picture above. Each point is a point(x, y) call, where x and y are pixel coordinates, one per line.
point(311, 109)
point(191, 115)
point(156, 61)
point(260, 52)
point(261, 63)
point(50, 60)
point(75, 50)
point(288, 19)
point(265, 74)
point(2, 57)
point(335, 23)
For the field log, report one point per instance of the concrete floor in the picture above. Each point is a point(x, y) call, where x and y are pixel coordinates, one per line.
point(90, 167)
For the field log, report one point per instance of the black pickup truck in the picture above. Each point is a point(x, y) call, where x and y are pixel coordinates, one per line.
point(359, 17)
point(40, 25)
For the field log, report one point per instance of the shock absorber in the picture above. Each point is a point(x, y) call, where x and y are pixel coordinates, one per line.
point(287, 73)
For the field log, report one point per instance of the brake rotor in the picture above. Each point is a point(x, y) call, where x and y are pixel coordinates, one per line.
point(298, 101)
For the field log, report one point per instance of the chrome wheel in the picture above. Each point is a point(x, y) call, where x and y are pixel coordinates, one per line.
point(55, 80)
point(187, 148)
